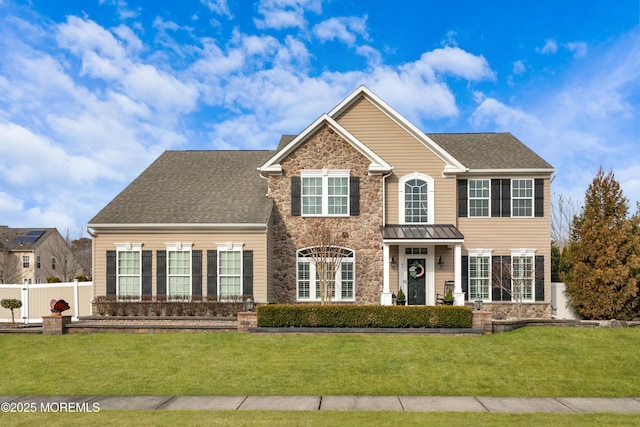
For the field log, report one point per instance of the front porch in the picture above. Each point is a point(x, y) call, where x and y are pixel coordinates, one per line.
point(422, 260)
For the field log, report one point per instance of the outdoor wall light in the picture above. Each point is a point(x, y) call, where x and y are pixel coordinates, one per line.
point(478, 303)
point(249, 305)
point(440, 262)
point(394, 263)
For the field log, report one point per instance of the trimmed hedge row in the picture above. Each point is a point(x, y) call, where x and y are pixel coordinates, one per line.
point(112, 306)
point(363, 316)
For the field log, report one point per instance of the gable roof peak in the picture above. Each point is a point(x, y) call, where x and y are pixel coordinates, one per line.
point(272, 166)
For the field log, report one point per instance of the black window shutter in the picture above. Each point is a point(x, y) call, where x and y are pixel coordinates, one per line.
point(539, 281)
point(111, 272)
point(465, 276)
point(506, 197)
point(296, 195)
point(161, 273)
point(247, 273)
point(354, 196)
point(462, 198)
point(506, 278)
point(147, 272)
point(212, 274)
point(495, 198)
point(196, 273)
point(538, 191)
point(496, 278)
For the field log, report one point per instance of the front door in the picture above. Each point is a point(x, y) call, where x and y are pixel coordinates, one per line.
point(416, 281)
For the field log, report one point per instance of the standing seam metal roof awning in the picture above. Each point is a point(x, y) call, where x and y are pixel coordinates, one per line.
point(441, 232)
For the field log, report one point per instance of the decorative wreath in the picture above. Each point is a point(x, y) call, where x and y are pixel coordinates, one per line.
point(416, 270)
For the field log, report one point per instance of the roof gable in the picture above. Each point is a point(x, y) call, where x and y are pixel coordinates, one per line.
point(452, 165)
point(272, 166)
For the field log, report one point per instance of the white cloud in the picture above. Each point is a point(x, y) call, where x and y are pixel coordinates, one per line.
point(579, 49)
point(550, 47)
point(219, 7)
point(280, 14)
point(344, 29)
point(456, 62)
point(519, 67)
point(496, 115)
point(373, 55)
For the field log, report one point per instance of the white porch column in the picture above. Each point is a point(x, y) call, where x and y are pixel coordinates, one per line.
point(458, 295)
point(385, 298)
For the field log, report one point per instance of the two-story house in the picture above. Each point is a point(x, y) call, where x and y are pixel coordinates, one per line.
point(420, 212)
point(34, 255)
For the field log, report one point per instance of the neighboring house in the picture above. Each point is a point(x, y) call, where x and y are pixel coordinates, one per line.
point(33, 255)
point(419, 211)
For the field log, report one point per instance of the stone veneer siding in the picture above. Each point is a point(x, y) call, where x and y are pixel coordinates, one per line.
point(327, 150)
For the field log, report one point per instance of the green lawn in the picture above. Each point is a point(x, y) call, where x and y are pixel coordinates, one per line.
point(528, 362)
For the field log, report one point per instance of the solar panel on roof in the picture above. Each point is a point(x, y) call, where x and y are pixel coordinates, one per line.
point(31, 237)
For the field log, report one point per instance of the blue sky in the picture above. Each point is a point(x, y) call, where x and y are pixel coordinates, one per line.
point(92, 92)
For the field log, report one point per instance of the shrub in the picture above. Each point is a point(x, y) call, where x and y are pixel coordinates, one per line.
point(110, 305)
point(370, 316)
point(11, 304)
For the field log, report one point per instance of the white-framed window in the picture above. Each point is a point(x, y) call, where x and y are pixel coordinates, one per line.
point(325, 192)
point(129, 270)
point(25, 261)
point(479, 197)
point(416, 199)
point(179, 270)
point(480, 274)
point(53, 263)
point(229, 270)
point(522, 197)
point(308, 284)
point(522, 274)
point(38, 263)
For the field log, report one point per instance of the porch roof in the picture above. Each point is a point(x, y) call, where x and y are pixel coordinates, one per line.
point(416, 232)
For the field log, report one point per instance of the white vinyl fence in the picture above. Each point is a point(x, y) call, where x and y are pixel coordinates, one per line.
point(36, 299)
point(560, 303)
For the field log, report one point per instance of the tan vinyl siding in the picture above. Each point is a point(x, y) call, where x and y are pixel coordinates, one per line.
point(402, 151)
point(257, 242)
point(504, 234)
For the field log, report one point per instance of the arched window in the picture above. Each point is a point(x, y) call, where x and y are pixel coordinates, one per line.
point(339, 265)
point(416, 199)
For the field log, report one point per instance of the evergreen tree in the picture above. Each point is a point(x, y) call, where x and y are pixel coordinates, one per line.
point(604, 254)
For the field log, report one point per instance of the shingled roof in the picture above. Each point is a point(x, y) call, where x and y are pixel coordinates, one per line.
point(489, 151)
point(480, 150)
point(194, 187)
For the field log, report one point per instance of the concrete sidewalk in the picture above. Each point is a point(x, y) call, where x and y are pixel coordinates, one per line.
point(323, 403)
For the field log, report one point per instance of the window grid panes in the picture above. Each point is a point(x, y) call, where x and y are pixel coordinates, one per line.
point(25, 261)
point(129, 273)
point(479, 277)
point(311, 196)
point(415, 201)
point(522, 197)
point(308, 277)
point(522, 278)
point(338, 193)
point(230, 273)
point(347, 280)
point(304, 280)
point(179, 274)
point(478, 197)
